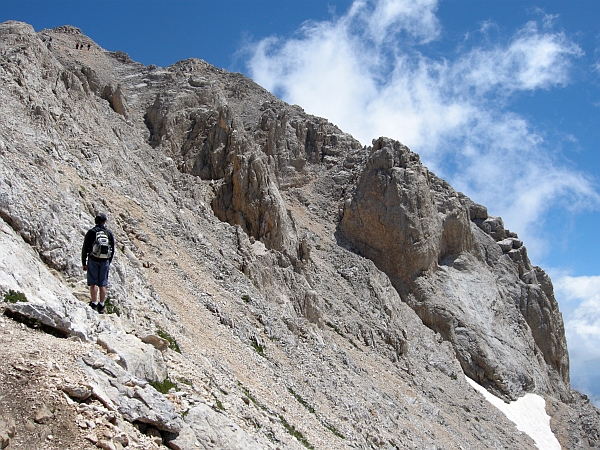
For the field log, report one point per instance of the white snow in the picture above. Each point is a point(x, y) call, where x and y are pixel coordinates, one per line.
point(529, 415)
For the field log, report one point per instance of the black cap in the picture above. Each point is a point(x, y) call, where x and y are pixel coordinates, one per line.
point(100, 218)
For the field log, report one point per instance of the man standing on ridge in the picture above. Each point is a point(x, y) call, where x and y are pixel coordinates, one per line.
point(96, 256)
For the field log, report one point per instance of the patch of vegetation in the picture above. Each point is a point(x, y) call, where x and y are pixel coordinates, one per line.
point(301, 401)
point(248, 394)
point(333, 430)
point(312, 411)
point(270, 436)
point(219, 404)
point(318, 247)
point(258, 347)
point(288, 427)
point(14, 297)
point(163, 386)
point(246, 298)
point(297, 434)
point(111, 308)
point(172, 342)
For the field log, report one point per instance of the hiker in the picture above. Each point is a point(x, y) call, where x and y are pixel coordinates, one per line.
point(96, 256)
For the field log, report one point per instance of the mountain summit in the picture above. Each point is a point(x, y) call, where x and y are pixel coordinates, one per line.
point(282, 285)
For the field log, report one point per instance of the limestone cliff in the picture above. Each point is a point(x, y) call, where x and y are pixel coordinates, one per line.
point(298, 289)
point(465, 275)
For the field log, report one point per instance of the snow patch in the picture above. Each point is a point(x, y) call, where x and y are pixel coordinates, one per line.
point(529, 415)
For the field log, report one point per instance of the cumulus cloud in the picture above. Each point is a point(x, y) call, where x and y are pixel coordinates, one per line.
point(581, 308)
point(387, 17)
point(531, 60)
point(366, 71)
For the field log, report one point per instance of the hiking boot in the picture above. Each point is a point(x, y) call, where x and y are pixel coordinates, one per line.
point(94, 306)
point(100, 308)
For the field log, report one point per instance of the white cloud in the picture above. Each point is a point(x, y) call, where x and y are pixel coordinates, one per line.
point(532, 60)
point(391, 16)
point(580, 303)
point(365, 73)
point(583, 292)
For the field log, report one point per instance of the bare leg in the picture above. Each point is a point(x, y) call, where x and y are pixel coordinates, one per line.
point(102, 294)
point(94, 293)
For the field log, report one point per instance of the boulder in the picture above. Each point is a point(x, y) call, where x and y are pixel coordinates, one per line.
point(213, 430)
point(79, 393)
point(7, 430)
point(478, 212)
point(156, 341)
point(135, 399)
point(140, 359)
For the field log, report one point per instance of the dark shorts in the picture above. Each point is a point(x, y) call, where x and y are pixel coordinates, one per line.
point(97, 273)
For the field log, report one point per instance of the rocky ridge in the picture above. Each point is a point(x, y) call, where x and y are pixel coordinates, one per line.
point(286, 286)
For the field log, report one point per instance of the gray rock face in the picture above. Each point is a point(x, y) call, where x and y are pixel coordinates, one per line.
point(322, 293)
point(135, 399)
point(416, 229)
point(393, 217)
point(48, 301)
point(251, 199)
point(141, 360)
point(206, 429)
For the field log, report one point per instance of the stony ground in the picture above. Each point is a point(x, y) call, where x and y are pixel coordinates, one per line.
point(34, 368)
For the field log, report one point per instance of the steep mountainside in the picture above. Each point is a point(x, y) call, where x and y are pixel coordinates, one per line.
point(293, 288)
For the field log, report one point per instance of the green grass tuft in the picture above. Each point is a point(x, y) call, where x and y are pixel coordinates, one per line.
point(333, 430)
point(163, 386)
point(297, 434)
point(14, 297)
point(111, 308)
point(258, 347)
point(219, 404)
point(312, 411)
point(301, 401)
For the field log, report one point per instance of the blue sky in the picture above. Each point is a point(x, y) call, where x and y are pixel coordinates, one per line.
point(501, 98)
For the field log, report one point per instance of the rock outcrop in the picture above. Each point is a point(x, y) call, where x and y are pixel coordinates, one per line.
point(275, 283)
point(470, 281)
